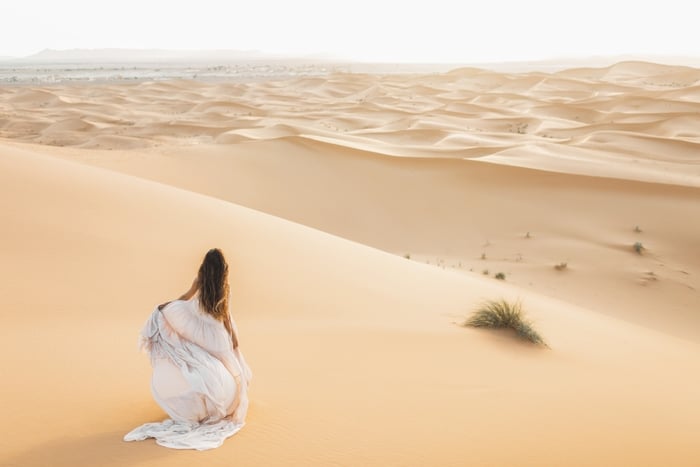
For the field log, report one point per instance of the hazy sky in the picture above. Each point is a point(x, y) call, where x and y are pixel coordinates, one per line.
point(408, 30)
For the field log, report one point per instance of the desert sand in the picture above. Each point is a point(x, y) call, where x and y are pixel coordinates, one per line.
point(364, 217)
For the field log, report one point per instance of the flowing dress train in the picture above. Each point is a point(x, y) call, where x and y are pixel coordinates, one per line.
point(198, 378)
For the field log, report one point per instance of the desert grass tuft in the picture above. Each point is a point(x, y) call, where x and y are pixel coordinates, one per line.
point(502, 314)
point(561, 266)
point(638, 247)
point(500, 276)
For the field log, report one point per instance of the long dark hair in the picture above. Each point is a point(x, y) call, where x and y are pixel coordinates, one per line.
point(212, 281)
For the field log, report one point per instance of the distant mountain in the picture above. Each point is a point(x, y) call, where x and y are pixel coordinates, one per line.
point(146, 56)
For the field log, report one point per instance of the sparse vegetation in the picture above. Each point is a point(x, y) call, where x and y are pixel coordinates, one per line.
point(500, 276)
point(527, 235)
point(561, 266)
point(485, 272)
point(638, 247)
point(519, 128)
point(483, 256)
point(502, 314)
point(637, 229)
point(407, 256)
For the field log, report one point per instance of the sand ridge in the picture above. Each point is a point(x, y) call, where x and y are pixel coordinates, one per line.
point(316, 189)
point(464, 113)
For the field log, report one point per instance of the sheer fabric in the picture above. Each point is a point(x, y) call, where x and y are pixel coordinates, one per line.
point(198, 378)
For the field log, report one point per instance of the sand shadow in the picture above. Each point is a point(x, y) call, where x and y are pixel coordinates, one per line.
point(103, 449)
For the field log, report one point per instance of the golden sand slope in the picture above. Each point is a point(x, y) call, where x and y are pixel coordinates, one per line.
point(357, 352)
point(276, 146)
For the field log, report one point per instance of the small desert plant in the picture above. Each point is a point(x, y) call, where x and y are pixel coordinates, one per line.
point(483, 256)
point(520, 128)
point(485, 272)
point(501, 314)
point(500, 276)
point(638, 247)
point(637, 229)
point(561, 266)
point(407, 256)
point(527, 235)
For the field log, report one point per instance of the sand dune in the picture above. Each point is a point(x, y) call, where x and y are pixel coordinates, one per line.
point(316, 188)
point(451, 212)
point(471, 112)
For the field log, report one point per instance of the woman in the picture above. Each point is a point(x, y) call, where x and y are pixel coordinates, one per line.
point(200, 377)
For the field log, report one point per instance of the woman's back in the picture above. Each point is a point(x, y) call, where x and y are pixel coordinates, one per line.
point(190, 322)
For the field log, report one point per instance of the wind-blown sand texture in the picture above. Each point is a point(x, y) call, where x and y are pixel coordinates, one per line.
point(316, 189)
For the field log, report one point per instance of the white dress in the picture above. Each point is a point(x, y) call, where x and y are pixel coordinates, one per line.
point(198, 378)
